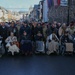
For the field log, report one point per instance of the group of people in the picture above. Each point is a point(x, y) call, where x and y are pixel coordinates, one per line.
point(21, 37)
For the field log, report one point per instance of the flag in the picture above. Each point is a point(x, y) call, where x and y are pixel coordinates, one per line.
point(50, 3)
point(55, 2)
point(58, 2)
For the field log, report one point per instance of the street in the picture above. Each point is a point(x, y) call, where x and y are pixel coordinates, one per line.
point(37, 65)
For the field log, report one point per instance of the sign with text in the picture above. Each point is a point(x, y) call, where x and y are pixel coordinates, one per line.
point(63, 2)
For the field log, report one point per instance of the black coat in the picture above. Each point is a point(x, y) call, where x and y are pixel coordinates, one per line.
point(65, 39)
point(3, 32)
point(26, 29)
point(14, 30)
point(50, 31)
point(35, 32)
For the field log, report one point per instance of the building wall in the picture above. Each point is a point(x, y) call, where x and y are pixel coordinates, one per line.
point(60, 13)
point(45, 11)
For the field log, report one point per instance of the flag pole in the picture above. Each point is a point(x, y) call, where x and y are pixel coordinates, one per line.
point(68, 17)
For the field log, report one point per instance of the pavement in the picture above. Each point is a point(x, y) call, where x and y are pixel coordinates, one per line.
point(37, 65)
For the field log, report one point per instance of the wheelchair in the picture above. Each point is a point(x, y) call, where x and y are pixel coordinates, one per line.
point(66, 48)
point(39, 46)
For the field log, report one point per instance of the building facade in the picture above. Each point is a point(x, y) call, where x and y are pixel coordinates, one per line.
point(45, 11)
point(60, 13)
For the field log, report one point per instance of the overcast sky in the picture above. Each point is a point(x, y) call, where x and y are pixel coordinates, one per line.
point(11, 4)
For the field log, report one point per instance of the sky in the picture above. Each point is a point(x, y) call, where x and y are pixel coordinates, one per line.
point(15, 5)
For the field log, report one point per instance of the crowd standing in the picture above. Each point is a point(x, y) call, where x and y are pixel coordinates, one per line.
point(21, 37)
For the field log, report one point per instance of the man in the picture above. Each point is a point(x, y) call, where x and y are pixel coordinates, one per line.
point(18, 25)
point(13, 29)
point(25, 28)
point(3, 33)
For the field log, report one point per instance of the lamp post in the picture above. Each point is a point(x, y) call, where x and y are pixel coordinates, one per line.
point(68, 17)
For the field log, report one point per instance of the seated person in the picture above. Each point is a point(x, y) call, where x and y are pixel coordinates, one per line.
point(26, 44)
point(66, 38)
point(73, 37)
point(67, 42)
point(12, 43)
point(52, 43)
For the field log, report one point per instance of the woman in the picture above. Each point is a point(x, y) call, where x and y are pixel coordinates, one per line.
point(52, 43)
point(12, 43)
point(26, 44)
point(62, 29)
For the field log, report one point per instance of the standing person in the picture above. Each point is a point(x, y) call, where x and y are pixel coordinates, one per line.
point(62, 29)
point(39, 32)
point(44, 31)
point(58, 25)
point(26, 28)
point(51, 29)
point(3, 33)
point(13, 29)
point(34, 30)
point(71, 28)
point(18, 25)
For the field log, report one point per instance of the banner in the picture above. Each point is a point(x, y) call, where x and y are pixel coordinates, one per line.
point(50, 3)
point(64, 3)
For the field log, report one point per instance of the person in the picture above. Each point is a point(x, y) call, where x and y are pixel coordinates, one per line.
point(44, 31)
point(18, 25)
point(4, 34)
point(62, 30)
point(73, 39)
point(12, 43)
point(39, 33)
point(26, 28)
point(51, 29)
point(71, 28)
point(52, 43)
point(26, 44)
point(67, 42)
point(34, 30)
point(66, 38)
point(1, 52)
point(13, 29)
point(58, 25)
